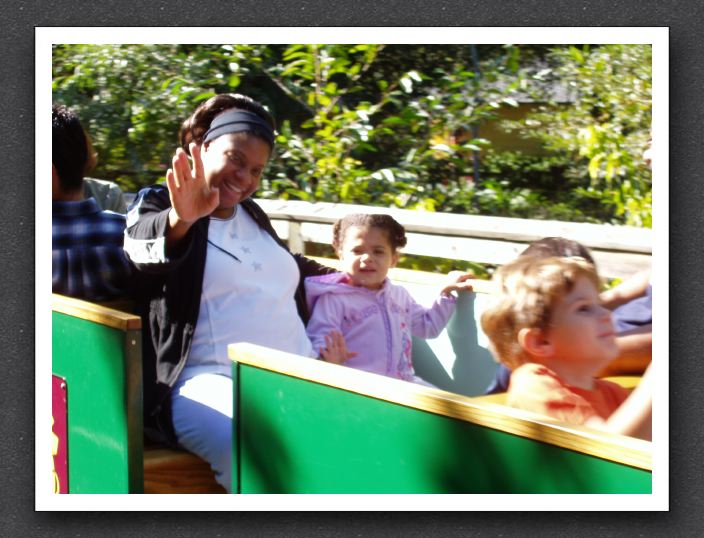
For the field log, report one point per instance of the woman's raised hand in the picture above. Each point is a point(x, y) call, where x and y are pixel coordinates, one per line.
point(191, 197)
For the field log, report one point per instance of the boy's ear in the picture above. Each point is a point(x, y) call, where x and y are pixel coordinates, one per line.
point(535, 342)
point(395, 258)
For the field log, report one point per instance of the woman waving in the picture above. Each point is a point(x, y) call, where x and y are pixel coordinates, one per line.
point(213, 272)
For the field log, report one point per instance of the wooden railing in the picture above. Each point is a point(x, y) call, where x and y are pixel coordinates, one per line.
point(619, 251)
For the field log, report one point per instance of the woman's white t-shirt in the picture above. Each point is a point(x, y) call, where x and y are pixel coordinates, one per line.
point(248, 296)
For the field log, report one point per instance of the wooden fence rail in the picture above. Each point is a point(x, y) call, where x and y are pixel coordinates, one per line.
point(619, 251)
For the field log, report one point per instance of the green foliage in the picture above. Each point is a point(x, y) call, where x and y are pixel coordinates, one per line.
point(375, 141)
point(443, 265)
point(604, 131)
point(349, 132)
point(386, 124)
point(131, 99)
point(530, 186)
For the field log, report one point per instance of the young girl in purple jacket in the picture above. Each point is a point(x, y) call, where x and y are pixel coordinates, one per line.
point(362, 320)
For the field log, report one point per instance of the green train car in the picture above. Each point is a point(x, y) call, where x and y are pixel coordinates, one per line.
point(97, 400)
point(306, 426)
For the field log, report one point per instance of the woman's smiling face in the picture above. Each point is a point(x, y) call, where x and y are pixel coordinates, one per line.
point(234, 164)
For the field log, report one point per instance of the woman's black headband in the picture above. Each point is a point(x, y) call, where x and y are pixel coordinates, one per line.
point(237, 121)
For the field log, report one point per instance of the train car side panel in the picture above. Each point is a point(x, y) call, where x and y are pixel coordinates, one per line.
point(102, 368)
point(298, 436)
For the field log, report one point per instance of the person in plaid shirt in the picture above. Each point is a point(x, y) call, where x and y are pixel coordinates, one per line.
point(88, 261)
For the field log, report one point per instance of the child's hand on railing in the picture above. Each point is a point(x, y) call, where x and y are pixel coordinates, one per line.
point(335, 349)
point(458, 281)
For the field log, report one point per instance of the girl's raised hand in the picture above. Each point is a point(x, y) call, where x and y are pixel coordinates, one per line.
point(335, 349)
point(191, 198)
point(458, 281)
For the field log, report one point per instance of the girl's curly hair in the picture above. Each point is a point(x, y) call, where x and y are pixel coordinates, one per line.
point(394, 231)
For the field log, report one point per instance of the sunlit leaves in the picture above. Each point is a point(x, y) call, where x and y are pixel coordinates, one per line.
point(605, 127)
point(386, 124)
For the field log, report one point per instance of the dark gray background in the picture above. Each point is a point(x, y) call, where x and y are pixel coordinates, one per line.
point(18, 19)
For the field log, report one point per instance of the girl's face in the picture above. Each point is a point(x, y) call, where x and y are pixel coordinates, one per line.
point(367, 256)
point(234, 163)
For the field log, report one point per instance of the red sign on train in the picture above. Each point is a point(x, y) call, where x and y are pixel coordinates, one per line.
point(59, 433)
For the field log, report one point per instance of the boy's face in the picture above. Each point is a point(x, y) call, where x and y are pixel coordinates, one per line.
point(581, 331)
point(367, 256)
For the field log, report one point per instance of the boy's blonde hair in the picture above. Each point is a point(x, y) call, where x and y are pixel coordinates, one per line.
point(527, 292)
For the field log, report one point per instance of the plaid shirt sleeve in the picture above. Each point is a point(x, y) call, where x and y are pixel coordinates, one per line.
point(88, 260)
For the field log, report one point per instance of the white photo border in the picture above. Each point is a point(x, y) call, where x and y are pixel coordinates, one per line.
point(658, 37)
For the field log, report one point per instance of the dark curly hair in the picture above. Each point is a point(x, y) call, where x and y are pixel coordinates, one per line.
point(71, 151)
point(394, 231)
point(195, 126)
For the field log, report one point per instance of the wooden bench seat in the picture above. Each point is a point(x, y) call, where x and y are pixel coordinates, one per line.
point(176, 471)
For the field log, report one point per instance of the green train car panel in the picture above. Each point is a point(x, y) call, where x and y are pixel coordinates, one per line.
point(97, 351)
point(304, 426)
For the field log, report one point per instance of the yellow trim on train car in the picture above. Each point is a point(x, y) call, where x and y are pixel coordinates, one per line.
point(626, 381)
point(95, 312)
point(617, 448)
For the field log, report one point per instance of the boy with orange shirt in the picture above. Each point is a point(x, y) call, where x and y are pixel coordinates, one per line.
point(548, 325)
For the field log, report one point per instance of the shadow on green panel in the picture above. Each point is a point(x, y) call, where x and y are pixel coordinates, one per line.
point(482, 460)
point(269, 470)
point(302, 437)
